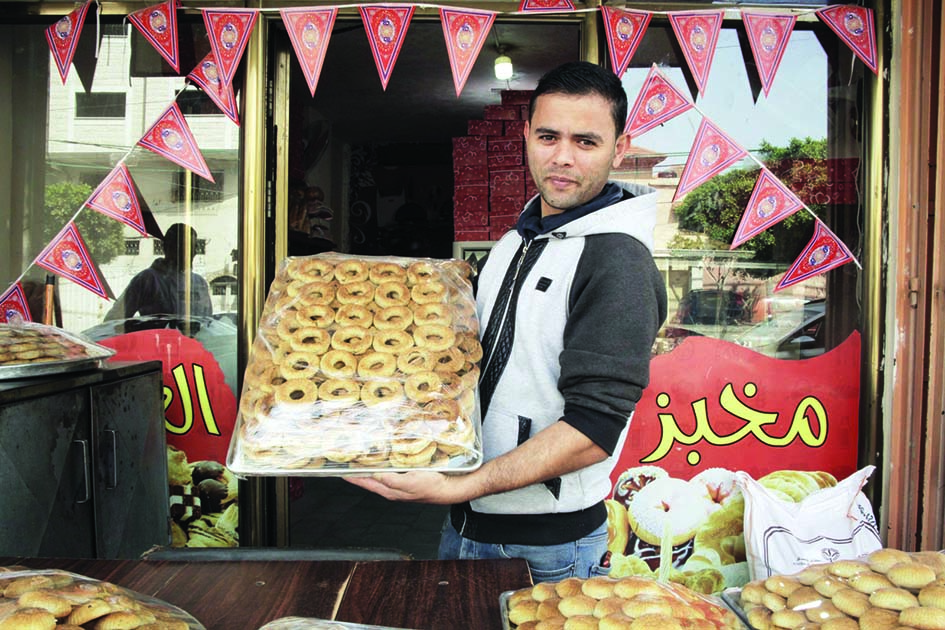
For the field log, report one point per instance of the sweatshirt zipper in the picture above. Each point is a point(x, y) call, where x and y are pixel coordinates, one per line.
point(508, 304)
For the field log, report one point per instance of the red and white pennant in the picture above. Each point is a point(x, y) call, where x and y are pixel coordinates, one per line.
point(207, 77)
point(309, 31)
point(386, 27)
point(171, 138)
point(14, 309)
point(712, 152)
point(697, 33)
point(67, 256)
point(768, 36)
point(465, 32)
point(115, 197)
point(624, 30)
point(657, 102)
point(63, 37)
point(824, 252)
point(229, 31)
point(158, 25)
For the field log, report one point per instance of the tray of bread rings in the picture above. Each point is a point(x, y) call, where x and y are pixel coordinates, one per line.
point(360, 364)
point(50, 598)
point(30, 349)
point(606, 602)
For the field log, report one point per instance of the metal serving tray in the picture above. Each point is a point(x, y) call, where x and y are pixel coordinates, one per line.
point(97, 355)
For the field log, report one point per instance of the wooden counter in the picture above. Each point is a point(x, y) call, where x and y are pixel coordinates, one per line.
point(244, 595)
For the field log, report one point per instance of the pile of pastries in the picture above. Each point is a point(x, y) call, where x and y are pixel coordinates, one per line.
point(889, 589)
point(50, 599)
point(28, 343)
point(606, 603)
point(362, 363)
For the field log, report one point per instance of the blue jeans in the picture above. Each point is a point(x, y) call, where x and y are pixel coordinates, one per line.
point(547, 563)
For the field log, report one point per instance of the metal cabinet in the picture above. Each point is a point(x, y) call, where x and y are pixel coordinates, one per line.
point(83, 464)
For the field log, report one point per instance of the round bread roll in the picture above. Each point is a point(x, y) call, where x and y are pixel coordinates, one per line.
point(879, 619)
point(551, 624)
point(615, 621)
point(568, 587)
point(868, 582)
point(598, 586)
point(752, 593)
point(629, 586)
point(544, 590)
point(576, 605)
point(893, 598)
point(882, 560)
point(933, 559)
point(548, 609)
point(786, 618)
point(518, 596)
point(840, 623)
point(608, 606)
point(32, 618)
point(822, 613)
point(933, 596)
point(524, 610)
point(911, 575)
point(923, 618)
point(782, 585)
point(773, 601)
point(847, 568)
point(580, 622)
point(810, 574)
point(47, 600)
point(759, 618)
point(827, 585)
point(527, 625)
point(851, 602)
point(804, 597)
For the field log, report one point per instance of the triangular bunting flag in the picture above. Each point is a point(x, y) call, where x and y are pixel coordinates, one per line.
point(768, 35)
point(206, 75)
point(624, 31)
point(385, 27)
point(63, 37)
point(771, 201)
point(465, 32)
point(697, 33)
point(229, 31)
point(824, 252)
point(309, 30)
point(67, 256)
point(171, 137)
point(115, 197)
point(854, 25)
point(158, 25)
point(14, 309)
point(545, 5)
point(657, 102)
point(712, 152)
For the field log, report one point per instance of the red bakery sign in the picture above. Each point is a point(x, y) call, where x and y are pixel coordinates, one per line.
point(712, 403)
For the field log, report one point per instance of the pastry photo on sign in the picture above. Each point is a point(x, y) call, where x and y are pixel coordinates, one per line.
point(690, 532)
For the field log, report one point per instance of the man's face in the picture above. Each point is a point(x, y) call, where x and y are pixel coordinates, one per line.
point(572, 145)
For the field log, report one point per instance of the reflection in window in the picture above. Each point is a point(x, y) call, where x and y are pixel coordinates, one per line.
point(132, 246)
point(100, 104)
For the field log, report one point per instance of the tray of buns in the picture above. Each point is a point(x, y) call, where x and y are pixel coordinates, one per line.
point(888, 588)
point(51, 598)
point(362, 363)
point(313, 623)
point(606, 603)
point(30, 349)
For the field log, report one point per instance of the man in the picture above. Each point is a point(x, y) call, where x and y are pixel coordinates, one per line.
point(569, 303)
point(162, 287)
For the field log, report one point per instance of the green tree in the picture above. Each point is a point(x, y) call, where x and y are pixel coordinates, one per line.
point(715, 208)
point(103, 235)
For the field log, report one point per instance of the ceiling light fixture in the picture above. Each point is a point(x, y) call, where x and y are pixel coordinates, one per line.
point(503, 67)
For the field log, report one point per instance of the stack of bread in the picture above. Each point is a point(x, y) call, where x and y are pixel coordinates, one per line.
point(607, 603)
point(362, 363)
point(887, 590)
point(50, 599)
point(30, 343)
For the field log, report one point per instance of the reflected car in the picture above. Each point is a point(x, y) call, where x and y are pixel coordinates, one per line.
point(794, 334)
point(713, 307)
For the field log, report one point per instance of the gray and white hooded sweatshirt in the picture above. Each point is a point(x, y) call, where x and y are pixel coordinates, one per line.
point(568, 320)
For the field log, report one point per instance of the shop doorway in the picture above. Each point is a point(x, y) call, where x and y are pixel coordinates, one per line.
point(370, 172)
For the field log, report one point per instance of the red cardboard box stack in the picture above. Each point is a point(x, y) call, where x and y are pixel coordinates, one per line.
point(491, 178)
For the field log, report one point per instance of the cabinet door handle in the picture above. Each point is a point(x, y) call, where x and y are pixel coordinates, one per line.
point(111, 463)
point(84, 445)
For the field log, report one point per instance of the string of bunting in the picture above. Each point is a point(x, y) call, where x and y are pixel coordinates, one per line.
point(465, 31)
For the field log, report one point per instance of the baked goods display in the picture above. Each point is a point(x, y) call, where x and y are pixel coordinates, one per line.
point(608, 603)
point(888, 589)
point(359, 364)
point(700, 520)
point(30, 344)
point(51, 599)
point(204, 505)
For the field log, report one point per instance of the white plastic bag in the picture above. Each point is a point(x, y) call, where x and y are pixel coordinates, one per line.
point(782, 537)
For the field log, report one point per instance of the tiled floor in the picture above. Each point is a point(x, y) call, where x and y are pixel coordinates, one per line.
point(333, 513)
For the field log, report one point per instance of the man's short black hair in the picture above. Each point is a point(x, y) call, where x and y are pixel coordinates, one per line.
point(580, 78)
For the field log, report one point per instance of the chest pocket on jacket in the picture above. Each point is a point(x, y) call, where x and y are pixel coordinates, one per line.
point(524, 432)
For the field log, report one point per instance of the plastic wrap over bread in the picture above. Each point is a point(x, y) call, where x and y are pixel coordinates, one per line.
point(604, 602)
point(33, 599)
point(887, 588)
point(312, 623)
point(359, 364)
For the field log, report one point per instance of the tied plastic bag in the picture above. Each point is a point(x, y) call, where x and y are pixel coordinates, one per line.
point(782, 536)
